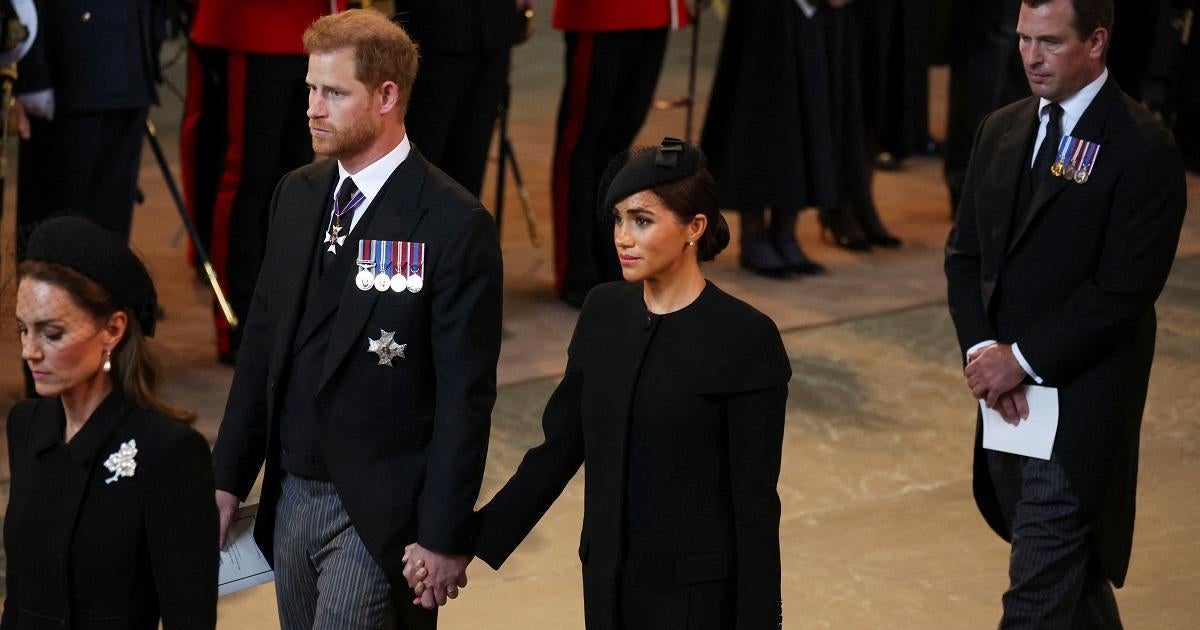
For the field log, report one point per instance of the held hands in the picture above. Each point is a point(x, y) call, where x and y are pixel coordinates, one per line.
point(994, 376)
point(434, 577)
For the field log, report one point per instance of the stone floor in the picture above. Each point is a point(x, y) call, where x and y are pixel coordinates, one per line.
point(879, 530)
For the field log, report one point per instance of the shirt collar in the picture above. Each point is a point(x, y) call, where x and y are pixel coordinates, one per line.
point(1075, 105)
point(372, 178)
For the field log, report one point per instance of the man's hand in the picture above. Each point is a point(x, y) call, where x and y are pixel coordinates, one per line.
point(992, 372)
point(434, 577)
point(1012, 406)
point(227, 504)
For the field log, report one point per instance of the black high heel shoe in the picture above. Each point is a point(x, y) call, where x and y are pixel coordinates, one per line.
point(872, 226)
point(783, 237)
point(840, 227)
point(757, 254)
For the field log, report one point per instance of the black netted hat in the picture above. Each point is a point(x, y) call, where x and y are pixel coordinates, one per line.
point(102, 256)
point(646, 167)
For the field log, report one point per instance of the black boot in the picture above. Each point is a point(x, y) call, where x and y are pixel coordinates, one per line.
point(757, 254)
point(872, 226)
point(783, 237)
point(843, 229)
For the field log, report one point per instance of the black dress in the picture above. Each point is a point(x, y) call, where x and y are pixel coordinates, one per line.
point(88, 549)
point(679, 419)
point(785, 126)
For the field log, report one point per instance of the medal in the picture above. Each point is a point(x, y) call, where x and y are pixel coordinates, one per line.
point(1064, 147)
point(399, 282)
point(383, 281)
point(1077, 147)
point(366, 261)
point(334, 237)
point(1089, 162)
point(385, 347)
point(416, 257)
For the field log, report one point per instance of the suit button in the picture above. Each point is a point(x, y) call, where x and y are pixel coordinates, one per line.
point(649, 321)
point(86, 17)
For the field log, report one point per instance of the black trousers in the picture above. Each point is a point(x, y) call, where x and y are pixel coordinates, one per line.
point(609, 86)
point(244, 127)
point(81, 163)
point(1054, 572)
point(453, 111)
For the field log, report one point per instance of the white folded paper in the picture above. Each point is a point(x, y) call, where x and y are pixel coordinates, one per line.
point(242, 564)
point(1031, 437)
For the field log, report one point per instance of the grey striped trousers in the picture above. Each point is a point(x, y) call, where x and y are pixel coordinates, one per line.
point(1054, 571)
point(325, 579)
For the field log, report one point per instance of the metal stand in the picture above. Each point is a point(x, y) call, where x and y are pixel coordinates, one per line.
point(201, 252)
point(508, 159)
point(688, 102)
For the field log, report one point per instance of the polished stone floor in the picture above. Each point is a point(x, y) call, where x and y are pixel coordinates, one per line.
point(879, 530)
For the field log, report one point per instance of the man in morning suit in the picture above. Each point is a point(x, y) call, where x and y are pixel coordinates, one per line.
point(1053, 266)
point(367, 371)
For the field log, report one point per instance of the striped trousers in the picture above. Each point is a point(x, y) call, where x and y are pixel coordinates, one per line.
point(1054, 572)
point(325, 579)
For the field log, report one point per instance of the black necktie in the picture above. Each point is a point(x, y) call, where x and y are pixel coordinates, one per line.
point(1049, 149)
point(341, 215)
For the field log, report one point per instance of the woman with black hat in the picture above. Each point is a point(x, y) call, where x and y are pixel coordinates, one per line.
point(111, 521)
point(674, 396)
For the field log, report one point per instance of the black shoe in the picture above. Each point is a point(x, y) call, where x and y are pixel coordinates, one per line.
point(839, 226)
point(783, 237)
point(872, 226)
point(757, 254)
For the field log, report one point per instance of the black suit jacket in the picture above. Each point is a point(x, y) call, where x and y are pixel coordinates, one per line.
point(461, 26)
point(1074, 285)
point(96, 55)
point(404, 445)
point(708, 441)
point(83, 553)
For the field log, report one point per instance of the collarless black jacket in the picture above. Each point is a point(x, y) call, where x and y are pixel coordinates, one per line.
point(84, 552)
point(694, 402)
point(1074, 285)
point(404, 445)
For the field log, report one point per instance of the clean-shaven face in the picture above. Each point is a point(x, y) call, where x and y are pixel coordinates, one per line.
point(650, 240)
point(62, 344)
point(1057, 63)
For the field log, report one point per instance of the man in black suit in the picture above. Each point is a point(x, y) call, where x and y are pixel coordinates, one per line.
point(1052, 280)
point(84, 91)
point(367, 372)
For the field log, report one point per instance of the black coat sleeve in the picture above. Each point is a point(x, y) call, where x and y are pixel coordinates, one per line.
point(242, 440)
point(963, 260)
point(17, 429)
point(181, 534)
point(466, 313)
point(755, 423)
point(544, 471)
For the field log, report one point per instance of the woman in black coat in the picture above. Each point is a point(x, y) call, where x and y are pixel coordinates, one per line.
point(110, 522)
point(674, 396)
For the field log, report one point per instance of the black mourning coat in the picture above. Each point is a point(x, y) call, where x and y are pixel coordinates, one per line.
point(83, 553)
point(1073, 284)
point(404, 445)
point(679, 419)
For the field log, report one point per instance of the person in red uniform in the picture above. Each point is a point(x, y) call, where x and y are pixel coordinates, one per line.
point(244, 126)
point(614, 55)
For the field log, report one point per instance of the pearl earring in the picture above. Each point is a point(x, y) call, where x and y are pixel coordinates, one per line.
point(107, 367)
point(691, 243)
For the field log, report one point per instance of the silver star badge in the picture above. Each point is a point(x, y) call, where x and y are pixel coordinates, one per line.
point(121, 463)
point(386, 347)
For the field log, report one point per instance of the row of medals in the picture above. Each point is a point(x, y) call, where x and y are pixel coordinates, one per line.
point(1059, 169)
point(366, 280)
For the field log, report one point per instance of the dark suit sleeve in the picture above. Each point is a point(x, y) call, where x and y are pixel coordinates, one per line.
point(242, 440)
point(466, 311)
point(756, 422)
point(181, 534)
point(1144, 220)
point(963, 282)
point(544, 471)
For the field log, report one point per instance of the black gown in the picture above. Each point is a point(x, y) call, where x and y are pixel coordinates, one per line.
point(85, 552)
point(785, 125)
point(679, 419)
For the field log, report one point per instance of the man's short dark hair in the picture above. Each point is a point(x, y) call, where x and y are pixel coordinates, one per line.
point(1089, 15)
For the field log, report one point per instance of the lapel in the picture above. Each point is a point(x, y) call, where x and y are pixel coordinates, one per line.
point(394, 215)
point(303, 225)
point(1090, 128)
point(1012, 148)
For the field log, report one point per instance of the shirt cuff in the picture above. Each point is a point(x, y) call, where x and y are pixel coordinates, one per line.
point(979, 346)
point(1025, 365)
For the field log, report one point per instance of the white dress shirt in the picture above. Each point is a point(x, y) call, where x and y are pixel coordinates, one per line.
point(371, 179)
